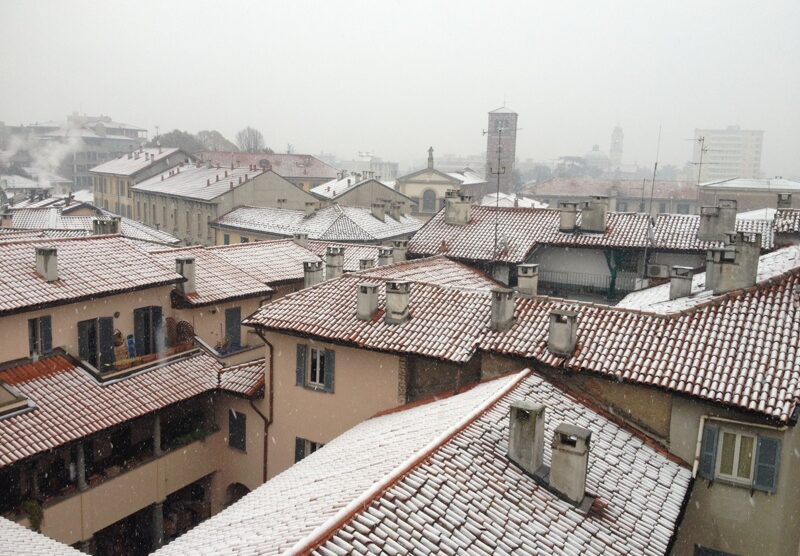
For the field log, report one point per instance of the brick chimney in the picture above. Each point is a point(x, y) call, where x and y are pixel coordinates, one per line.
point(334, 262)
point(568, 217)
point(502, 311)
point(399, 249)
point(47, 263)
point(716, 222)
point(526, 435)
point(185, 267)
point(367, 300)
point(680, 281)
point(528, 279)
point(312, 273)
point(385, 256)
point(734, 266)
point(397, 299)
point(563, 332)
point(569, 461)
point(300, 239)
point(593, 217)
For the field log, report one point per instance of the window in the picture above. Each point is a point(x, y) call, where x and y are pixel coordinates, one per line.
point(622, 206)
point(148, 331)
point(188, 221)
point(226, 239)
point(164, 216)
point(199, 224)
point(682, 208)
point(315, 368)
point(304, 448)
point(429, 201)
point(40, 336)
point(740, 457)
point(96, 342)
point(233, 328)
point(237, 430)
point(662, 207)
point(244, 239)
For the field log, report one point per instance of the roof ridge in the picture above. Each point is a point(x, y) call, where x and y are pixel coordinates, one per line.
point(358, 504)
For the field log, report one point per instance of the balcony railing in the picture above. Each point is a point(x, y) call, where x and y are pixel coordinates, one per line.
point(561, 280)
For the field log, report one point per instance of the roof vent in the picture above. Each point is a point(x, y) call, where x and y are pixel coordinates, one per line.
point(399, 249)
point(334, 262)
point(528, 278)
point(502, 313)
point(367, 301)
point(47, 263)
point(385, 256)
point(364, 264)
point(301, 239)
point(312, 273)
point(379, 211)
point(185, 267)
point(734, 266)
point(716, 222)
point(526, 435)
point(397, 299)
point(680, 281)
point(569, 461)
point(593, 217)
point(563, 332)
point(784, 200)
point(568, 217)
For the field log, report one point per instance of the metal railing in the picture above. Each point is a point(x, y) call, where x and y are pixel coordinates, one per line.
point(587, 282)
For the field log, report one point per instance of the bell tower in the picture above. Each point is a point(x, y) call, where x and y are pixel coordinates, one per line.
point(502, 135)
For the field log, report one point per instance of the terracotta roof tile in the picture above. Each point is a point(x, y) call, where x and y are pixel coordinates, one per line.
point(438, 270)
point(353, 252)
point(245, 379)
point(787, 221)
point(285, 165)
point(272, 262)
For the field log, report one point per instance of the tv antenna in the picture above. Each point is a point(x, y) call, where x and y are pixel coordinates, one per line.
point(703, 150)
point(498, 171)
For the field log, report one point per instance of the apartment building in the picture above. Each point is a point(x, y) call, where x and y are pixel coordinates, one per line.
point(587, 251)
point(185, 200)
point(727, 153)
point(361, 189)
point(112, 180)
point(753, 194)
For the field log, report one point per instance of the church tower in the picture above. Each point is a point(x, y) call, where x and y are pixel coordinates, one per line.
point(502, 134)
point(615, 153)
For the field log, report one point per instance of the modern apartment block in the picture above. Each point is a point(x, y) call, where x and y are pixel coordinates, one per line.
point(727, 153)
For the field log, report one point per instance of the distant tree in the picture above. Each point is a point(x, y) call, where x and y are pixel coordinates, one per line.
point(250, 140)
point(213, 140)
point(667, 172)
point(179, 139)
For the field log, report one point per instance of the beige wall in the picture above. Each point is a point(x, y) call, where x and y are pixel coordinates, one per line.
point(365, 383)
point(371, 192)
point(732, 518)
point(65, 318)
point(209, 321)
point(745, 200)
point(417, 185)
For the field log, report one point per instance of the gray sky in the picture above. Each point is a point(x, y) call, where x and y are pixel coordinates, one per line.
point(396, 77)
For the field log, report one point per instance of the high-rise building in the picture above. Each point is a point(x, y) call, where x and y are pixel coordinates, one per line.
point(615, 152)
point(727, 153)
point(502, 139)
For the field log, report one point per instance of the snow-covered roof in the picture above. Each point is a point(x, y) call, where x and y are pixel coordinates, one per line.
point(787, 221)
point(13, 181)
point(765, 184)
point(757, 214)
point(335, 223)
point(19, 540)
point(468, 177)
point(141, 159)
point(508, 200)
point(195, 181)
point(296, 166)
point(436, 479)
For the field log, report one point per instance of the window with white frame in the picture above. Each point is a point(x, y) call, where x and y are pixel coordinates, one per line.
point(740, 456)
point(304, 448)
point(316, 368)
point(735, 456)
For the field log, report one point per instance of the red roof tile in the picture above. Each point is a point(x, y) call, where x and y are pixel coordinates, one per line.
point(272, 262)
point(245, 379)
point(285, 165)
point(787, 221)
point(438, 270)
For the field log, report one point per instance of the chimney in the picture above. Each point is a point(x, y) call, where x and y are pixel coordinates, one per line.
point(526, 435)
point(680, 281)
point(502, 313)
point(734, 266)
point(569, 461)
point(402, 207)
point(312, 273)
point(116, 224)
point(394, 211)
point(457, 208)
point(568, 217)
point(364, 264)
point(379, 211)
point(130, 155)
point(784, 200)
point(716, 222)
point(563, 332)
point(47, 263)
point(385, 256)
point(528, 278)
point(367, 301)
point(185, 267)
point(399, 249)
point(334, 262)
point(300, 239)
point(593, 218)
point(103, 226)
point(397, 297)
point(311, 206)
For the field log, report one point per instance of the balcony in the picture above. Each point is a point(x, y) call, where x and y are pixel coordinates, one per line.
point(558, 281)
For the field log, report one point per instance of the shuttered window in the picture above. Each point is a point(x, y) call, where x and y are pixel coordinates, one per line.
point(148, 330)
point(96, 342)
point(233, 328)
point(40, 335)
point(237, 430)
point(740, 458)
point(304, 448)
point(315, 368)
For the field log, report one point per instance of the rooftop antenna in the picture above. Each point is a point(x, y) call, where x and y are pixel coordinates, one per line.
point(498, 171)
point(650, 205)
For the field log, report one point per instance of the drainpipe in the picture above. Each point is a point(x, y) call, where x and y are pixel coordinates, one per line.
point(270, 382)
point(612, 269)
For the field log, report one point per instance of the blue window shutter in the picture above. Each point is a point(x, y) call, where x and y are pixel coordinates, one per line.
point(299, 448)
point(46, 329)
point(105, 332)
point(300, 371)
point(708, 452)
point(768, 457)
point(330, 363)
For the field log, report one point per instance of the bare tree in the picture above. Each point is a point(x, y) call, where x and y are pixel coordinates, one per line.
point(250, 140)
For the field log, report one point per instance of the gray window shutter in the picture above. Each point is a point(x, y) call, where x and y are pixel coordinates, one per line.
point(330, 363)
point(157, 328)
point(233, 326)
point(105, 334)
point(86, 341)
point(768, 457)
point(708, 452)
point(32, 336)
point(46, 329)
point(300, 371)
point(299, 448)
point(140, 329)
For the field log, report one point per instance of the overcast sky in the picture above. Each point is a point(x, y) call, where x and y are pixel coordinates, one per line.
point(396, 77)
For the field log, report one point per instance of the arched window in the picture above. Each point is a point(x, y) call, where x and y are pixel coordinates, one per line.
point(429, 201)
